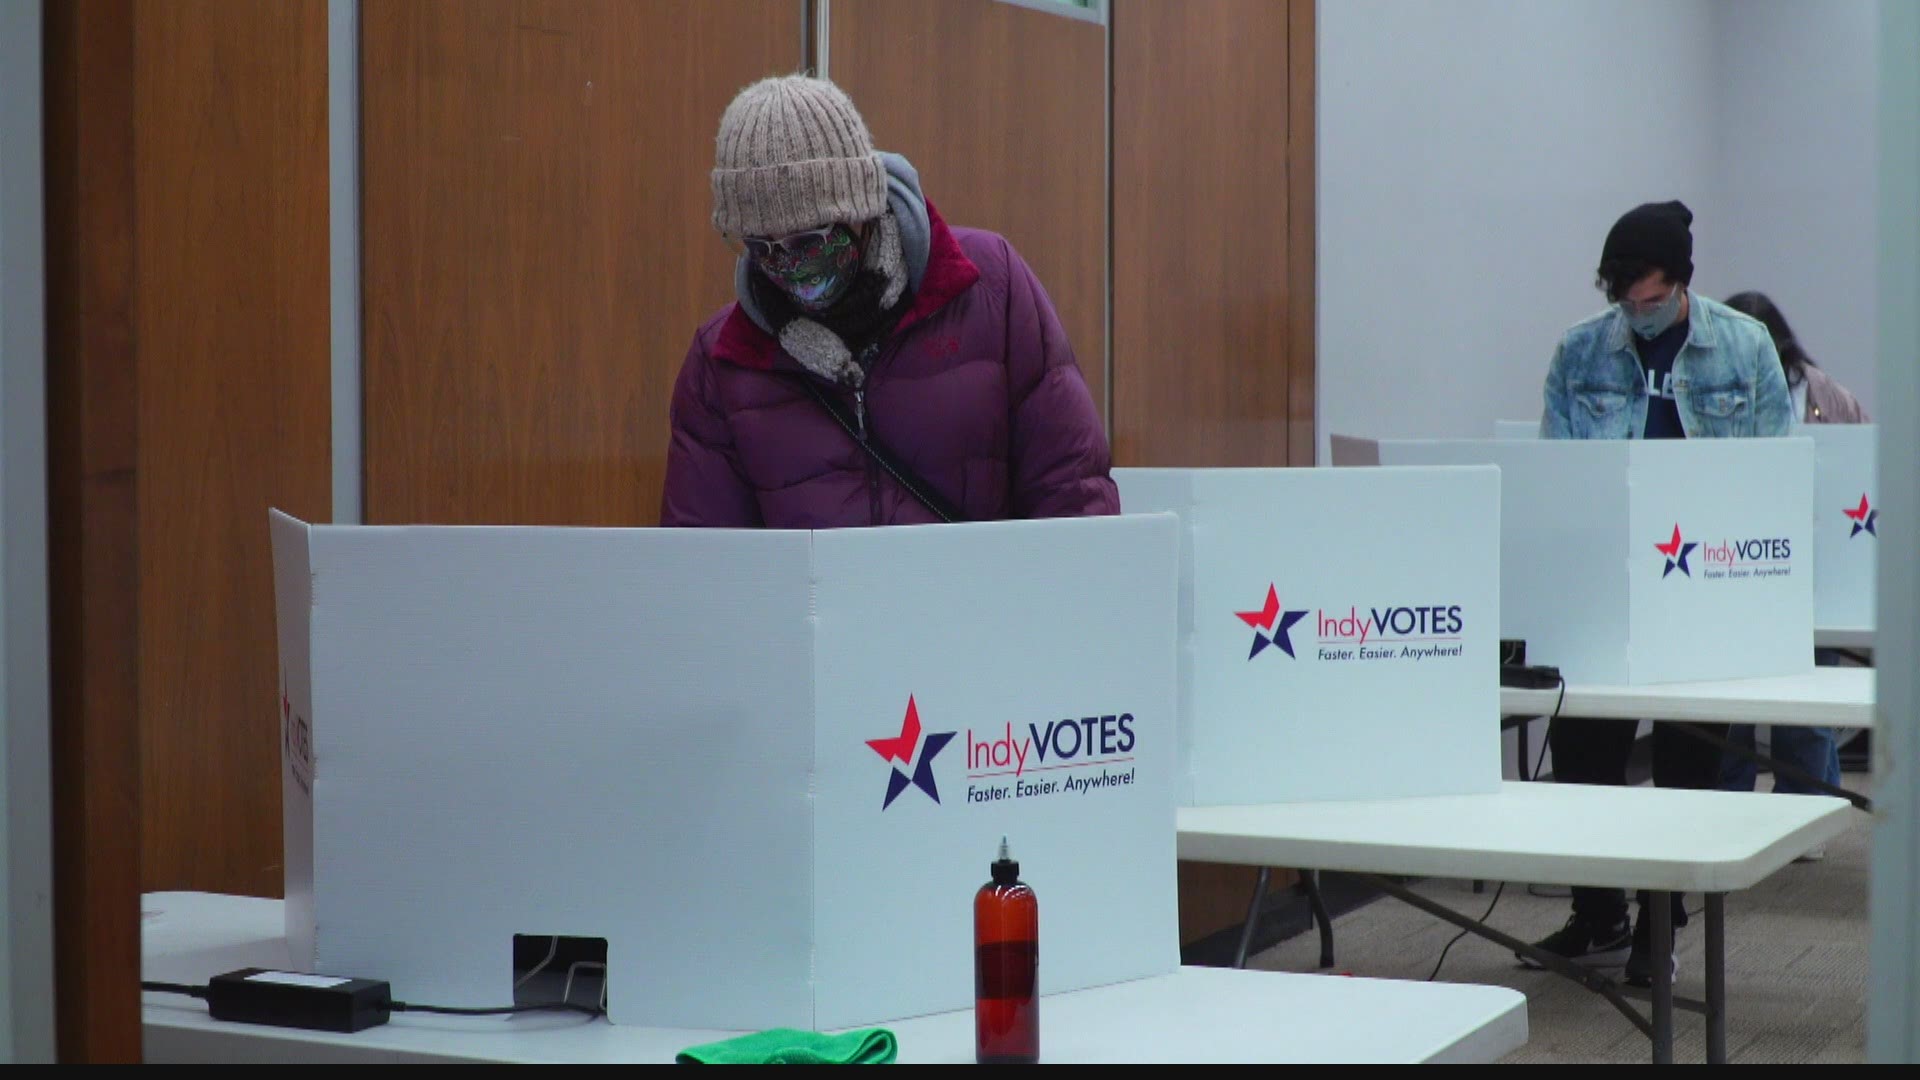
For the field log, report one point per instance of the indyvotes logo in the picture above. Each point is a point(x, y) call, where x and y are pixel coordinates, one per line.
point(1374, 632)
point(900, 748)
point(1676, 551)
point(1726, 560)
point(1271, 625)
point(1864, 518)
point(1074, 756)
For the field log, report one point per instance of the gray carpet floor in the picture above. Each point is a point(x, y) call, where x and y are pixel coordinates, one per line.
point(1796, 963)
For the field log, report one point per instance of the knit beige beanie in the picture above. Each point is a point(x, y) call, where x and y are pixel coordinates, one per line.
point(793, 154)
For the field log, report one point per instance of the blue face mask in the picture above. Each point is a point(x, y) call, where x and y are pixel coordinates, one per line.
point(1651, 324)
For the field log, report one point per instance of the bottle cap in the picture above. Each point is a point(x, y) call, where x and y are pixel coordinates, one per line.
point(1005, 870)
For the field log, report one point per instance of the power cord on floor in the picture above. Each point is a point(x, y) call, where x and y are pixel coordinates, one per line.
point(1456, 938)
point(1497, 893)
point(1549, 893)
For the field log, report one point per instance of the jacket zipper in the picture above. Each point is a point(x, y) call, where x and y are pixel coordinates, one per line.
point(873, 478)
point(860, 426)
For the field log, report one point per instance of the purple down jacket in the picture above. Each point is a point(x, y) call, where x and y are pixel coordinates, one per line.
point(976, 391)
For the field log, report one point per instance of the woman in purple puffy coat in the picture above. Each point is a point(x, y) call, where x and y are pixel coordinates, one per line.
point(862, 317)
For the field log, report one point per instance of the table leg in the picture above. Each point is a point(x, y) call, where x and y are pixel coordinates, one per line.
point(1716, 979)
point(1520, 758)
point(1553, 962)
point(1317, 904)
point(1780, 768)
point(1253, 918)
point(1660, 910)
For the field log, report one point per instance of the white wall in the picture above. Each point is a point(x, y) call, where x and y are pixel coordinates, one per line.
point(1797, 170)
point(1473, 153)
point(26, 928)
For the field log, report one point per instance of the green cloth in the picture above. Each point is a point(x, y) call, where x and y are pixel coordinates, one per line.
point(787, 1046)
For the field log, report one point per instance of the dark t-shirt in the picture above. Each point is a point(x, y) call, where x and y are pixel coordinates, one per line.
point(1656, 356)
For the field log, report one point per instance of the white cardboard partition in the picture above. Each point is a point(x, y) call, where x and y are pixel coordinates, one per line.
point(1846, 534)
point(1338, 630)
point(1631, 562)
point(771, 768)
point(1847, 527)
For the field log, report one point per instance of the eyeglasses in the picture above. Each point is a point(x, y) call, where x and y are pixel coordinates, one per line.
point(800, 245)
point(1647, 307)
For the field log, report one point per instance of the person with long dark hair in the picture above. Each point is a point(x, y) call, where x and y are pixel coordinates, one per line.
point(1817, 399)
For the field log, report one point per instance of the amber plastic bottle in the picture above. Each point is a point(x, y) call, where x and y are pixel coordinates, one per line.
point(1006, 968)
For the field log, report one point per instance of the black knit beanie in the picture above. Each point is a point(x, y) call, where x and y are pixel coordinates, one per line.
point(1655, 234)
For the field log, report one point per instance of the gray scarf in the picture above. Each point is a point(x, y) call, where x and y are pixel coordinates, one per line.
point(896, 251)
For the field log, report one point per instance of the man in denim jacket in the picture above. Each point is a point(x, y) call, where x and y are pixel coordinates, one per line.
point(1662, 363)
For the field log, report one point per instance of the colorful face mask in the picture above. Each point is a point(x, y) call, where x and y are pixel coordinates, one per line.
point(814, 268)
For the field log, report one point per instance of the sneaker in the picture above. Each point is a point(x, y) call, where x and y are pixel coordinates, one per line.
point(1640, 965)
point(1585, 945)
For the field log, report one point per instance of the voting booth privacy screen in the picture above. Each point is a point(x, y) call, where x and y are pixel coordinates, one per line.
point(1641, 561)
point(1338, 630)
point(770, 768)
point(1846, 523)
point(1846, 513)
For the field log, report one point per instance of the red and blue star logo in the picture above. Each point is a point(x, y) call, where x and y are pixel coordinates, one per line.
point(899, 748)
point(1271, 625)
point(1864, 518)
point(1676, 552)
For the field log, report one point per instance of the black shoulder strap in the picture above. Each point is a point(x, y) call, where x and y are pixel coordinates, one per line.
point(885, 458)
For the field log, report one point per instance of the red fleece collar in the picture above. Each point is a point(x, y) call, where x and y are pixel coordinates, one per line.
point(949, 273)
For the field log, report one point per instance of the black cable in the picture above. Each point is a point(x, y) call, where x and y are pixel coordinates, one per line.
point(504, 1010)
point(1540, 761)
point(174, 988)
point(1534, 890)
point(1555, 715)
point(200, 992)
point(1463, 933)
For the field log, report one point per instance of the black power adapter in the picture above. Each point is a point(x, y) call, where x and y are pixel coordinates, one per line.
point(1517, 674)
point(1524, 677)
point(288, 999)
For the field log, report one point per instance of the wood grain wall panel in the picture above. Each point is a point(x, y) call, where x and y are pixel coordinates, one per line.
point(536, 249)
point(93, 532)
point(1002, 109)
point(1303, 359)
point(232, 319)
point(1208, 311)
point(1214, 896)
point(1213, 266)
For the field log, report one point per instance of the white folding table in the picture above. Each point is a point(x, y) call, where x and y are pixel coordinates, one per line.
point(1193, 1015)
point(1663, 841)
point(1843, 637)
point(1823, 697)
point(1839, 697)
